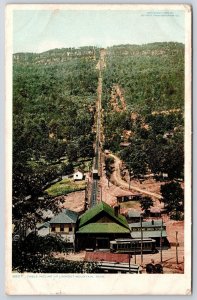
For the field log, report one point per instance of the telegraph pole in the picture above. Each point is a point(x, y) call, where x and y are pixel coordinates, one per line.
point(141, 239)
point(161, 254)
point(177, 260)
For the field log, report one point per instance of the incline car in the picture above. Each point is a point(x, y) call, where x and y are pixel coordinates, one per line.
point(133, 246)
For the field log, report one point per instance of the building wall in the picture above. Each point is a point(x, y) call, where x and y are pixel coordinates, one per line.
point(97, 241)
point(67, 228)
point(78, 176)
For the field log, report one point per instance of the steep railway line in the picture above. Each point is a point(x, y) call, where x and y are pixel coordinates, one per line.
point(97, 161)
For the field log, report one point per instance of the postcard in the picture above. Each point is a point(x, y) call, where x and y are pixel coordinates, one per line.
point(98, 149)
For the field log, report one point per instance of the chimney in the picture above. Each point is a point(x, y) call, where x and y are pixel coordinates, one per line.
point(116, 210)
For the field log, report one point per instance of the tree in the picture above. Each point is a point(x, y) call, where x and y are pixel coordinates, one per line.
point(34, 254)
point(146, 203)
point(109, 168)
point(135, 157)
point(173, 198)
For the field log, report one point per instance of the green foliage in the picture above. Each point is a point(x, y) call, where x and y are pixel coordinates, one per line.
point(151, 75)
point(64, 187)
point(146, 203)
point(173, 198)
point(152, 79)
point(33, 255)
point(135, 157)
point(53, 112)
point(109, 161)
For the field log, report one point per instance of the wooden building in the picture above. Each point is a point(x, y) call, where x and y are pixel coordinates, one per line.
point(100, 225)
point(64, 225)
point(130, 197)
point(154, 229)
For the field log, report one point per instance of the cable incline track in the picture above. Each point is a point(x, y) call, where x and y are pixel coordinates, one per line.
point(97, 151)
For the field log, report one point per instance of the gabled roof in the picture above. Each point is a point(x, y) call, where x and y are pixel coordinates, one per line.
point(66, 216)
point(102, 206)
point(103, 228)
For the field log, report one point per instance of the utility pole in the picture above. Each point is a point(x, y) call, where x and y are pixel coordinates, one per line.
point(177, 260)
point(141, 239)
point(161, 254)
point(129, 177)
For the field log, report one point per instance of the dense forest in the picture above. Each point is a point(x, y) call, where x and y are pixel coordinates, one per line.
point(54, 97)
point(149, 79)
point(151, 75)
point(143, 100)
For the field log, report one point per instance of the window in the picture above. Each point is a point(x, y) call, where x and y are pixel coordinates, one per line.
point(53, 228)
point(70, 228)
point(61, 227)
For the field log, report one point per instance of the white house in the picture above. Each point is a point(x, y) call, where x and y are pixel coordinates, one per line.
point(78, 175)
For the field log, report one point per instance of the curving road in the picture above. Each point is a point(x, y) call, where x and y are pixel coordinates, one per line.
point(117, 179)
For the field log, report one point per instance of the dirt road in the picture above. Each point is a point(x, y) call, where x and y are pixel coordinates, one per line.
point(117, 180)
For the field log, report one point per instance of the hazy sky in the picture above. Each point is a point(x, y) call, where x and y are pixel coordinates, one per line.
point(41, 30)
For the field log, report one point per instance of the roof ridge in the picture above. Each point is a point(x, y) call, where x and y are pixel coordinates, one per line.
point(102, 206)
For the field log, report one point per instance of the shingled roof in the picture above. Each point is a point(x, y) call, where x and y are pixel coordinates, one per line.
point(103, 228)
point(65, 217)
point(102, 206)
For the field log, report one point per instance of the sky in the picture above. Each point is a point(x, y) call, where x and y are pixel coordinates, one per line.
point(41, 30)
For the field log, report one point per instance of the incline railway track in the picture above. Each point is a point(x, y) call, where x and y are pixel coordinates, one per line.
point(97, 151)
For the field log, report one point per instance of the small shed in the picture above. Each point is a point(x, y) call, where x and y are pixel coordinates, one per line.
point(78, 175)
point(130, 197)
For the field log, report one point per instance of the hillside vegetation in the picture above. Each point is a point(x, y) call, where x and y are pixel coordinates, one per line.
point(54, 96)
point(152, 75)
point(143, 100)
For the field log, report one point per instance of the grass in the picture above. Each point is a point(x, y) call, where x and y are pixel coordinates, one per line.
point(65, 186)
point(129, 204)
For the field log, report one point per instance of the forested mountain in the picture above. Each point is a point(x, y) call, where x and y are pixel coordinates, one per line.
point(53, 114)
point(143, 98)
point(152, 75)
